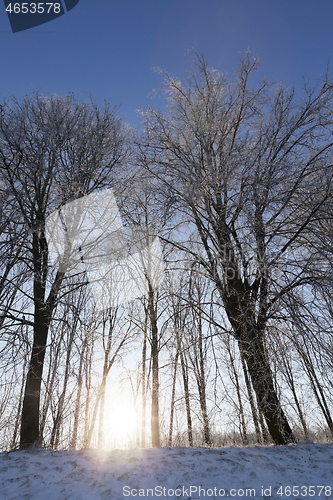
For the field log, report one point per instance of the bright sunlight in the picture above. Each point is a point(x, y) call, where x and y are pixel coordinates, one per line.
point(120, 423)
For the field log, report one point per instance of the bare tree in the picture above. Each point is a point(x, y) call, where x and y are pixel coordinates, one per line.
point(239, 164)
point(52, 150)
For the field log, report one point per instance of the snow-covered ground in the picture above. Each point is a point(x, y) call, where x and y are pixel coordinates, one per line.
point(303, 471)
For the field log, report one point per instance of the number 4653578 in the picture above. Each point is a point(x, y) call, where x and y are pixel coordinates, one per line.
point(33, 8)
point(309, 491)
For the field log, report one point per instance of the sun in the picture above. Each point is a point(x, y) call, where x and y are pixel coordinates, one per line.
point(120, 424)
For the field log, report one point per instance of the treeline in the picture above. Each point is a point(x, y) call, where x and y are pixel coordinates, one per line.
point(236, 179)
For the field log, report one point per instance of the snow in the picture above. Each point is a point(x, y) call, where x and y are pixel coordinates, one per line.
point(169, 473)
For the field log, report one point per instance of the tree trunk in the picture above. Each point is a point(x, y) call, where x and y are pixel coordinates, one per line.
point(143, 386)
point(30, 432)
point(155, 427)
point(265, 434)
point(186, 390)
point(88, 362)
point(101, 417)
point(202, 389)
point(78, 398)
point(106, 369)
point(30, 411)
point(252, 349)
point(172, 406)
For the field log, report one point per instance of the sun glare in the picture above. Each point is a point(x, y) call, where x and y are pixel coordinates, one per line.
point(120, 425)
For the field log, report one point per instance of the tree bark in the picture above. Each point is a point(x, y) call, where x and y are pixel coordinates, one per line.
point(201, 379)
point(143, 385)
point(186, 389)
point(155, 426)
point(173, 393)
point(252, 349)
point(30, 411)
point(78, 398)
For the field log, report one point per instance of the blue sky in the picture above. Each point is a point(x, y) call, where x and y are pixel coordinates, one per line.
point(106, 48)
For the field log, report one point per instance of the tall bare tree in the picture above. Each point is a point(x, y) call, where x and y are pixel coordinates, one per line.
point(239, 164)
point(52, 150)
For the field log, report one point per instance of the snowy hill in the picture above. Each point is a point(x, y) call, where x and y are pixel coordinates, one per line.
point(277, 472)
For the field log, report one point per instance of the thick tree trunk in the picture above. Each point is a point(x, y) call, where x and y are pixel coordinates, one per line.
point(43, 309)
point(30, 411)
point(252, 349)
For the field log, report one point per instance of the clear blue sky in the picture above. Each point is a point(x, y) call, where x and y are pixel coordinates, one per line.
point(107, 48)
